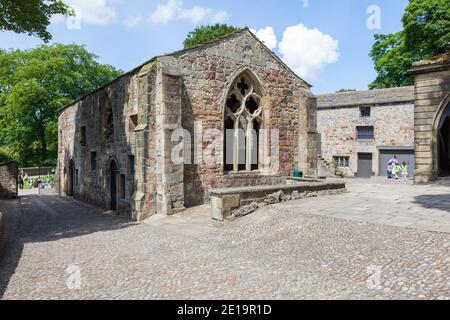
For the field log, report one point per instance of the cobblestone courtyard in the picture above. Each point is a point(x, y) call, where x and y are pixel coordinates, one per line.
point(357, 245)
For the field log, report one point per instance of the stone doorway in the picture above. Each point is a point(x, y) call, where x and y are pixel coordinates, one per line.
point(70, 185)
point(113, 172)
point(443, 141)
point(364, 165)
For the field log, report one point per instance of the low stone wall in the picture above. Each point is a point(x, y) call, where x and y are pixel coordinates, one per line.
point(2, 232)
point(38, 171)
point(8, 180)
point(234, 202)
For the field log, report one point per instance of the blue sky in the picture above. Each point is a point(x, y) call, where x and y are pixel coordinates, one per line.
point(326, 40)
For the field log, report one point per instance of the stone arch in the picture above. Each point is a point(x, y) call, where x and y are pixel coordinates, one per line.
point(442, 115)
point(243, 117)
point(106, 116)
point(113, 170)
point(71, 178)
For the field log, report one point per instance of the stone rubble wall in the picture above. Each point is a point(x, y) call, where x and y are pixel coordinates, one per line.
point(8, 180)
point(237, 202)
point(126, 96)
point(290, 107)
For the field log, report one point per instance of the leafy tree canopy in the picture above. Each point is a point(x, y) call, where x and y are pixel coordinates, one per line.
point(345, 90)
point(5, 154)
point(34, 84)
point(30, 16)
point(204, 34)
point(426, 33)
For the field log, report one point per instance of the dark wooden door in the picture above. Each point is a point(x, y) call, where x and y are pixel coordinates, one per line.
point(364, 165)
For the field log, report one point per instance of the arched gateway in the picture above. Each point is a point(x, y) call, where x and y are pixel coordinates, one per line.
point(432, 118)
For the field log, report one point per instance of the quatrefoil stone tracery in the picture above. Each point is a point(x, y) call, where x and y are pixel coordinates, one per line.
point(244, 95)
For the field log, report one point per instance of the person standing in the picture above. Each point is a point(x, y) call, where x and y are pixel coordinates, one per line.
point(394, 161)
point(21, 180)
point(404, 170)
point(398, 171)
point(389, 170)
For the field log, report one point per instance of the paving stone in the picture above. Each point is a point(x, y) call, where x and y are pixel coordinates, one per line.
point(279, 252)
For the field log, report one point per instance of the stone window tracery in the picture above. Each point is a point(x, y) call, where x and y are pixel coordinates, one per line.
point(107, 117)
point(243, 120)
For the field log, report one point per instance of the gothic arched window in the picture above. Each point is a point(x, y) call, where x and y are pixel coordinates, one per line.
point(243, 120)
point(107, 117)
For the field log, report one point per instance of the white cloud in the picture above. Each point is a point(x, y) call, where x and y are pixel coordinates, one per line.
point(219, 17)
point(266, 35)
point(308, 51)
point(95, 12)
point(132, 20)
point(175, 10)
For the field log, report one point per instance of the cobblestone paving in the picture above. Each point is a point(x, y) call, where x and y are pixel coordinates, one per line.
point(387, 202)
point(274, 253)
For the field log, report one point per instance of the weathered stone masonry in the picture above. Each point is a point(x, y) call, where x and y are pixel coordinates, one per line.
point(125, 130)
point(431, 111)
point(8, 179)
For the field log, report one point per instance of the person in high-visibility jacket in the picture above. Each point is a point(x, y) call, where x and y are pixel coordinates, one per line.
point(404, 170)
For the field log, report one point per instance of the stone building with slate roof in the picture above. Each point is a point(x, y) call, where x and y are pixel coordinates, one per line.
point(362, 130)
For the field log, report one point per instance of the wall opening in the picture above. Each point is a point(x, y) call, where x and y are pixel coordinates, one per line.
point(443, 141)
point(113, 173)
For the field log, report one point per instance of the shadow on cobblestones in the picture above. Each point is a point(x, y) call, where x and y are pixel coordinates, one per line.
point(51, 217)
point(13, 242)
point(434, 201)
point(44, 218)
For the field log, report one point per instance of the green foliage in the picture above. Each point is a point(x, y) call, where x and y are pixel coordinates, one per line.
point(30, 16)
point(426, 34)
point(34, 84)
point(204, 34)
point(345, 90)
point(5, 154)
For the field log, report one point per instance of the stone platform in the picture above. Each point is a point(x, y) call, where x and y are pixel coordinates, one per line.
point(233, 202)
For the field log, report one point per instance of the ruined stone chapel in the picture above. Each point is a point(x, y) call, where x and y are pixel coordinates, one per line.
point(119, 145)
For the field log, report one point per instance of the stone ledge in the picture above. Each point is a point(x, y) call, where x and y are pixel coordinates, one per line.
point(232, 202)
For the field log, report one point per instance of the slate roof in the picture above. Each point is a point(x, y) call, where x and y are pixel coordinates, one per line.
point(368, 97)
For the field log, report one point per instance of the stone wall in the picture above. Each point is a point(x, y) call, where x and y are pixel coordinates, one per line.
point(8, 179)
point(432, 97)
point(393, 126)
point(207, 74)
point(126, 97)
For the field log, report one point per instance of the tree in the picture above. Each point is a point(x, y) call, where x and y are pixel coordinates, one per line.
point(204, 34)
point(34, 84)
point(5, 154)
point(30, 16)
point(425, 34)
point(345, 90)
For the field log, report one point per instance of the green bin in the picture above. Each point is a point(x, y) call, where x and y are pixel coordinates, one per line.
point(298, 174)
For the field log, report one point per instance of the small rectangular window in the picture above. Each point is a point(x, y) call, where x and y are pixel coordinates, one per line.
point(342, 161)
point(76, 177)
point(365, 112)
point(83, 136)
point(122, 186)
point(131, 165)
point(133, 122)
point(365, 133)
point(93, 160)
